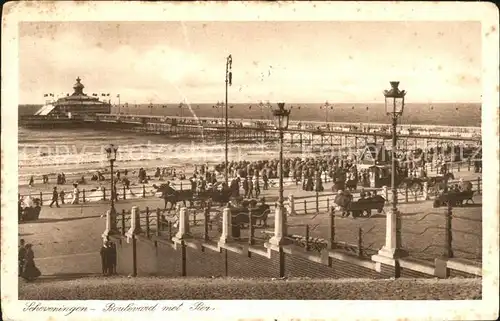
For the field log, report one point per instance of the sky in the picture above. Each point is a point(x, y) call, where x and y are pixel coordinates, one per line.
point(297, 61)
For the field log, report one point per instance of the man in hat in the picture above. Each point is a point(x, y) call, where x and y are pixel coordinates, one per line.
point(55, 197)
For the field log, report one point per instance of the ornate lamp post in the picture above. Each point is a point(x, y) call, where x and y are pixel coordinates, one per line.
point(394, 104)
point(326, 106)
point(219, 105)
point(281, 117)
point(111, 155)
point(229, 82)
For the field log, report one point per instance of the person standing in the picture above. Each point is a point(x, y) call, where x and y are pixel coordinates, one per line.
point(30, 271)
point(76, 194)
point(112, 257)
point(62, 194)
point(31, 181)
point(21, 253)
point(256, 185)
point(250, 188)
point(105, 258)
point(55, 197)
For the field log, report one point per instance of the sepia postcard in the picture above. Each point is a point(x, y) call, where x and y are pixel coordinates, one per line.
point(250, 160)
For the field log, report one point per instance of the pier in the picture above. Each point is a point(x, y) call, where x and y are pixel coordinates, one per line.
point(302, 133)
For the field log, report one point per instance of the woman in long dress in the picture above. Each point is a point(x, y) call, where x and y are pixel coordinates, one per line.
point(30, 271)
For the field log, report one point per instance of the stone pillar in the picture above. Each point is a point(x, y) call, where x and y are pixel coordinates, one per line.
point(291, 205)
point(183, 224)
point(387, 258)
point(226, 234)
point(133, 230)
point(108, 230)
point(280, 230)
point(389, 249)
point(425, 191)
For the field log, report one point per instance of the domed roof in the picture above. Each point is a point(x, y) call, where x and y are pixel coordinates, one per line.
point(78, 87)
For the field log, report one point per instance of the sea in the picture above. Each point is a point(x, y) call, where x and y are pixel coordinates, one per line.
point(81, 151)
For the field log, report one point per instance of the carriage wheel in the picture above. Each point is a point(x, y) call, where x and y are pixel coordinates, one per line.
point(368, 213)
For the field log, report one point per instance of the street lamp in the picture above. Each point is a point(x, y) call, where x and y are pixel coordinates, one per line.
point(229, 82)
point(394, 105)
point(219, 105)
point(326, 106)
point(281, 117)
point(111, 155)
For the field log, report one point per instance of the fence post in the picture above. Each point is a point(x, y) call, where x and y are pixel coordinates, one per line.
point(327, 204)
point(317, 202)
point(41, 198)
point(181, 185)
point(138, 228)
point(123, 222)
point(448, 253)
point(104, 193)
point(468, 164)
point(385, 190)
point(305, 207)
point(479, 185)
point(360, 241)
point(143, 191)
point(307, 237)
point(250, 227)
point(83, 195)
point(194, 217)
point(147, 222)
point(406, 193)
point(458, 168)
point(159, 223)
point(124, 193)
point(291, 205)
point(332, 228)
point(206, 212)
point(425, 191)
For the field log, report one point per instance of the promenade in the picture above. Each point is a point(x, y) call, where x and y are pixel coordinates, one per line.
point(67, 239)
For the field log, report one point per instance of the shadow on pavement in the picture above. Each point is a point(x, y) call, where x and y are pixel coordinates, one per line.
point(65, 277)
point(53, 220)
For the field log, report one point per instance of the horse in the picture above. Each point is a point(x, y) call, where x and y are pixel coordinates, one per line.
point(351, 184)
point(173, 196)
point(342, 200)
point(412, 183)
point(438, 183)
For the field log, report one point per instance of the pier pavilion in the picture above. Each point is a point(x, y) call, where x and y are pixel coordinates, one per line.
point(75, 105)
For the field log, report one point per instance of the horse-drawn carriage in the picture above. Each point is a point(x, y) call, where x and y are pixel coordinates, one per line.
point(454, 198)
point(240, 214)
point(195, 199)
point(360, 208)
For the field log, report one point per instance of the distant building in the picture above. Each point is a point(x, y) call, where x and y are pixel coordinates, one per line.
point(75, 105)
